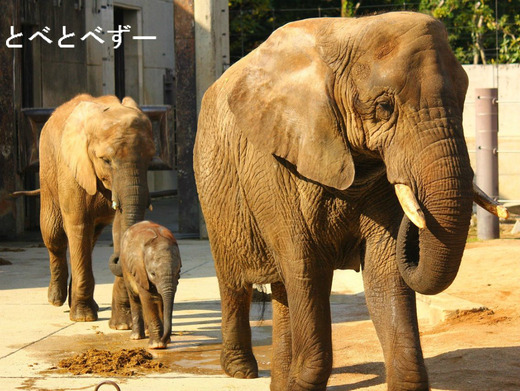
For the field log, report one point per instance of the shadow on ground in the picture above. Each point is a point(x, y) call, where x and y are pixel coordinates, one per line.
point(475, 367)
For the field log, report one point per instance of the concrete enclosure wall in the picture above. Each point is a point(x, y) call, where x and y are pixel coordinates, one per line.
point(507, 79)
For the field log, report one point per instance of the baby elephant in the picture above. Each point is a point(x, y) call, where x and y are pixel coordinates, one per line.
point(150, 266)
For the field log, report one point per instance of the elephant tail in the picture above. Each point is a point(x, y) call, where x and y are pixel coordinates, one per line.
point(27, 193)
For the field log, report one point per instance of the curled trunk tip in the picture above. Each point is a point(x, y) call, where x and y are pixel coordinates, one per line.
point(115, 266)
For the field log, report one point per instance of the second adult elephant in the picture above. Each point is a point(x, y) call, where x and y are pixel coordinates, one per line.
point(94, 156)
point(300, 150)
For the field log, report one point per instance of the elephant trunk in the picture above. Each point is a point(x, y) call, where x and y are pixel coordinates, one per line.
point(429, 258)
point(130, 199)
point(167, 292)
point(115, 266)
point(134, 199)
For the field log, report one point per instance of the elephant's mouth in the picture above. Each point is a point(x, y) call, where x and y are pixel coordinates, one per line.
point(408, 244)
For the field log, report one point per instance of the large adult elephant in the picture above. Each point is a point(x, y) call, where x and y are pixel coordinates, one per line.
point(94, 156)
point(300, 150)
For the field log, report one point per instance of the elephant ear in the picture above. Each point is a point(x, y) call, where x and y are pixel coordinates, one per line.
point(138, 268)
point(74, 143)
point(282, 102)
point(133, 252)
point(129, 102)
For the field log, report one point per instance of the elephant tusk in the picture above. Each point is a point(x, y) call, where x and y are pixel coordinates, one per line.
point(410, 205)
point(150, 208)
point(115, 205)
point(489, 204)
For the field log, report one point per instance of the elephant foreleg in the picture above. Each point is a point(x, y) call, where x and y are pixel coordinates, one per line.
point(153, 319)
point(137, 317)
point(236, 357)
point(83, 308)
point(121, 317)
point(308, 290)
point(391, 304)
point(282, 339)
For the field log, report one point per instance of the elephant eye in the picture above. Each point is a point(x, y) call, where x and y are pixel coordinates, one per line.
point(106, 160)
point(384, 109)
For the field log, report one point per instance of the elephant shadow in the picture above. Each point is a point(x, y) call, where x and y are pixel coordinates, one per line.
point(493, 369)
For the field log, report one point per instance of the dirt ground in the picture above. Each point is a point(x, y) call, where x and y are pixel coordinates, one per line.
point(474, 350)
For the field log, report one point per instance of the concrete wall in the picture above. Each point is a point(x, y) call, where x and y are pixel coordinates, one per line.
point(89, 66)
point(10, 216)
point(507, 79)
point(145, 61)
point(61, 71)
point(148, 59)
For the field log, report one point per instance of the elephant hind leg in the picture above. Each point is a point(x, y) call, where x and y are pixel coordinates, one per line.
point(236, 357)
point(57, 291)
point(55, 240)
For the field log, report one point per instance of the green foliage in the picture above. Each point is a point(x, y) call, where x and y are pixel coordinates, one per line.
point(475, 33)
point(352, 8)
point(509, 26)
point(252, 21)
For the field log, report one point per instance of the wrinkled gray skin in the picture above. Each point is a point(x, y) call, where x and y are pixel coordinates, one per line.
point(150, 265)
point(298, 147)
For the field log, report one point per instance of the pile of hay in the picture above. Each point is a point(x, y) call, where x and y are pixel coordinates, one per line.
point(124, 362)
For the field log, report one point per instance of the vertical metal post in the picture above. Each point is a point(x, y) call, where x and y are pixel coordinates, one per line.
point(486, 124)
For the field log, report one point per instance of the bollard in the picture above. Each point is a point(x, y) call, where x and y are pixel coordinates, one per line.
point(486, 124)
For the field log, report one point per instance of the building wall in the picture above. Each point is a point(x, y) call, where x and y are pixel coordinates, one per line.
point(10, 215)
point(62, 70)
point(507, 79)
point(61, 73)
point(53, 74)
point(146, 61)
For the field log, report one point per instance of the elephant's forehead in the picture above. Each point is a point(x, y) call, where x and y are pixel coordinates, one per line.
point(123, 139)
point(417, 71)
